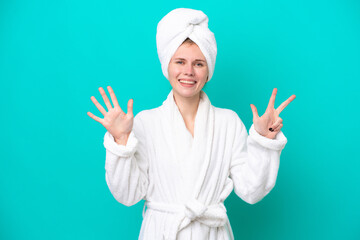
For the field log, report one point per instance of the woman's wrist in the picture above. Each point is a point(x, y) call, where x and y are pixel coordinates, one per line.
point(122, 139)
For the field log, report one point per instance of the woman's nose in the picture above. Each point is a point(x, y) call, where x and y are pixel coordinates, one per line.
point(189, 69)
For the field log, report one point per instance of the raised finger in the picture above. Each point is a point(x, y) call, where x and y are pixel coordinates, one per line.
point(272, 100)
point(98, 105)
point(130, 106)
point(284, 104)
point(94, 117)
point(113, 97)
point(106, 99)
point(254, 111)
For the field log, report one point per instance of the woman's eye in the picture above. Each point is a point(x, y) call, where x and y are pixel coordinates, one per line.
point(198, 64)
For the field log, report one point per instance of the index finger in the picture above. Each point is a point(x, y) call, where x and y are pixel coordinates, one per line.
point(272, 100)
point(284, 104)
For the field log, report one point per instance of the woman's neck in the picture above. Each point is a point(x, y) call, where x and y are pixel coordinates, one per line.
point(187, 106)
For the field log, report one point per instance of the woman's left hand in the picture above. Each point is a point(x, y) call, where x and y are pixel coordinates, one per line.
point(269, 124)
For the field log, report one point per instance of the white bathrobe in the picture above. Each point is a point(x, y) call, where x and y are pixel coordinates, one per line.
point(185, 180)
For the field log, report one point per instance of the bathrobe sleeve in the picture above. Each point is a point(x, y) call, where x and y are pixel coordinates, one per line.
point(127, 166)
point(255, 162)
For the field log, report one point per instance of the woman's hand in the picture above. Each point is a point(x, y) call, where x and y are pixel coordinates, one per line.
point(115, 120)
point(269, 124)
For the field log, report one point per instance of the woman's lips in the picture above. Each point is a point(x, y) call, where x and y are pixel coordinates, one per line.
point(187, 85)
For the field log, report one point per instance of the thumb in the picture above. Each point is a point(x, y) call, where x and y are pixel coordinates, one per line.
point(130, 106)
point(254, 111)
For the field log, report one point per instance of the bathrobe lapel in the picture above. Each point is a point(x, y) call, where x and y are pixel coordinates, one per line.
point(193, 203)
point(203, 136)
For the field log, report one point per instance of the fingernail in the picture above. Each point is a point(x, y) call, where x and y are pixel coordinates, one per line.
point(271, 130)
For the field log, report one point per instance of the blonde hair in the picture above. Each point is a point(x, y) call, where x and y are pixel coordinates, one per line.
point(188, 41)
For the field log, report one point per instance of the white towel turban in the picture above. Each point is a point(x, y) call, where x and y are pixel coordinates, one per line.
point(175, 27)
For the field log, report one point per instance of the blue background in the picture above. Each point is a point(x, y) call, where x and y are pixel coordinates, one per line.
point(54, 55)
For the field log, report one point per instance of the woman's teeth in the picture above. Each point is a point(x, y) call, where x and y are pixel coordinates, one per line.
point(187, 82)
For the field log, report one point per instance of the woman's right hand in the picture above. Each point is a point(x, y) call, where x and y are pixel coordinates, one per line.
point(115, 120)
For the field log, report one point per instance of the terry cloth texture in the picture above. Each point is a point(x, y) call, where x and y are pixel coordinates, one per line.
point(185, 180)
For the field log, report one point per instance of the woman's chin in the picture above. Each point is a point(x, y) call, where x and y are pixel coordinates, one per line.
point(187, 93)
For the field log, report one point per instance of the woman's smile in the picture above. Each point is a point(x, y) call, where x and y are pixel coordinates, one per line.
point(188, 71)
point(187, 83)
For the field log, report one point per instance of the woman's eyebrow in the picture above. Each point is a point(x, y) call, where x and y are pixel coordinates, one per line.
point(195, 59)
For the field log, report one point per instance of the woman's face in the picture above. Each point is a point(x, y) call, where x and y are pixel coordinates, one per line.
point(188, 64)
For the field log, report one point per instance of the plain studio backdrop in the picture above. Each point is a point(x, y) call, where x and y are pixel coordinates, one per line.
point(55, 55)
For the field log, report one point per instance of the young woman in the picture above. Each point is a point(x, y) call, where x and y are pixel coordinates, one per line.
point(186, 156)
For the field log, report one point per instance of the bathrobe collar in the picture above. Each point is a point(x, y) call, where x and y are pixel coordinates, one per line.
point(198, 206)
point(203, 133)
